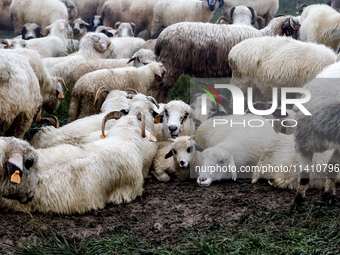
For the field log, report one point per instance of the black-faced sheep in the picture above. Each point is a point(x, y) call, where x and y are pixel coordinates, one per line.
point(30, 31)
point(109, 31)
point(18, 169)
point(204, 48)
point(168, 12)
point(95, 22)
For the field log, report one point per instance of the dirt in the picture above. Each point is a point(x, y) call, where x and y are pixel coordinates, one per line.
point(158, 215)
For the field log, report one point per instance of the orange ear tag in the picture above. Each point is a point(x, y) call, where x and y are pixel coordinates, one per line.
point(60, 95)
point(150, 137)
point(102, 136)
point(157, 120)
point(16, 177)
point(101, 110)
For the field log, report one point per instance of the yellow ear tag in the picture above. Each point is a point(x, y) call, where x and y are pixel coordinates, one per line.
point(157, 120)
point(101, 110)
point(102, 136)
point(60, 95)
point(16, 177)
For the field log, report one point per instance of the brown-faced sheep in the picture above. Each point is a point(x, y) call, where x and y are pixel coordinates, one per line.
point(141, 79)
point(18, 169)
point(168, 12)
point(40, 12)
point(204, 47)
point(5, 15)
point(20, 94)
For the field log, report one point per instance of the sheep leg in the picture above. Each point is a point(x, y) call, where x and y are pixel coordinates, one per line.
point(305, 161)
point(330, 186)
point(19, 126)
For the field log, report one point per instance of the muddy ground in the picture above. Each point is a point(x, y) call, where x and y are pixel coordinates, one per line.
point(159, 214)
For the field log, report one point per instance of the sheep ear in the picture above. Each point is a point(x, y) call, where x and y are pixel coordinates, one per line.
point(222, 20)
point(230, 14)
point(133, 25)
point(260, 21)
point(117, 24)
point(4, 41)
point(159, 79)
point(252, 14)
point(198, 148)
point(159, 118)
point(194, 119)
point(88, 26)
point(169, 154)
point(131, 59)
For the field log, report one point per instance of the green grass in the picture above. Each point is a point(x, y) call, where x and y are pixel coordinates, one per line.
point(307, 230)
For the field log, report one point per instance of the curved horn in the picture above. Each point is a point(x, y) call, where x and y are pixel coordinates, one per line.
point(222, 20)
point(52, 119)
point(61, 80)
point(131, 91)
point(280, 15)
point(111, 115)
point(99, 91)
point(293, 24)
point(38, 117)
point(152, 100)
point(131, 59)
point(141, 117)
point(253, 14)
point(4, 41)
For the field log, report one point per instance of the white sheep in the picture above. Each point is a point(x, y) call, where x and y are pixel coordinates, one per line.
point(40, 12)
point(125, 47)
point(18, 169)
point(79, 28)
point(177, 157)
point(53, 45)
point(14, 44)
point(20, 94)
point(254, 63)
point(124, 29)
point(231, 142)
point(319, 24)
point(168, 12)
point(140, 58)
point(141, 79)
point(318, 132)
point(92, 46)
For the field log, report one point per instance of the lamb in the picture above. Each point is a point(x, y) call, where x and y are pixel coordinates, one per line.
point(168, 12)
point(30, 31)
point(230, 143)
point(20, 93)
point(281, 153)
point(88, 8)
point(79, 28)
point(137, 11)
point(92, 46)
point(25, 11)
point(185, 158)
point(95, 22)
point(87, 178)
point(318, 132)
point(124, 29)
point(257, 57)
point(318, 23)
point(266, 9)
point(5, 16)
point(125, 47)
point(215, 41)
point(109, 31)
point(18, 169)
point(54, 45)
point(14, 44)
point(141, 79)
point(241, 15)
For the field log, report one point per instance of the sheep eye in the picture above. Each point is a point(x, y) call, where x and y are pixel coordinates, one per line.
point(57, 92)
point(29, 163)
point(166, 113)
point(188, 150)
point(175, 152)
point(81, 25)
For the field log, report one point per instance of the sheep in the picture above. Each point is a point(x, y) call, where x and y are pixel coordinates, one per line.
point(257, 57)
point(335, 4)
point(318, 132)
point(204, 48)
point(318, 24)
point(281, 154)
point(88, 8)
point(92, 46)
point(185, 157)
point(80, 179)
point(140, 58)
point(141, 79)
point(95, 22)
point(54, 45)
point(231, 143)
point(241, 15)
point(72, 10)
point(18, 169)
point(138, 11)
point(14, 44)
point(168, 12)
point(125, 47)
point(25, 11)
point(79, 28)
point(266, 9)
point(5, 16)
point(109, 31)
point(124, 29)
point(30, 31)
point(20, 95)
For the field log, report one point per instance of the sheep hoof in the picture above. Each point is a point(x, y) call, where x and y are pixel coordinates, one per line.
point(328, 199)
point(255, 180)
point(299, 200)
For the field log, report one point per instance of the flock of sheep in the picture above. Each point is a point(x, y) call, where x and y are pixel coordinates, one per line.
point(121, 127)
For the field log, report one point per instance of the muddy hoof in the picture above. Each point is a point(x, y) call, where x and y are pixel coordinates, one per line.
point(328, 199)
point(299, 200)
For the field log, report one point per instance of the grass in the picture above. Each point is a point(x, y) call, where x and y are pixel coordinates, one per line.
point(308, 230)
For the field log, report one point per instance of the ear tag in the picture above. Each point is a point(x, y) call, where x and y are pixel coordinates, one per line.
point(15, 178)
point(60, 95)
point(150, 137)
point(157, 120)
point(102, 136)
point(101, 110)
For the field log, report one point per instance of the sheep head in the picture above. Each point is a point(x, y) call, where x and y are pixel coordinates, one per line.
point(182, 150)
point(100, 42)
point(30, 31)
point(51, 99)
point(212, 4)
point(124, 29)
